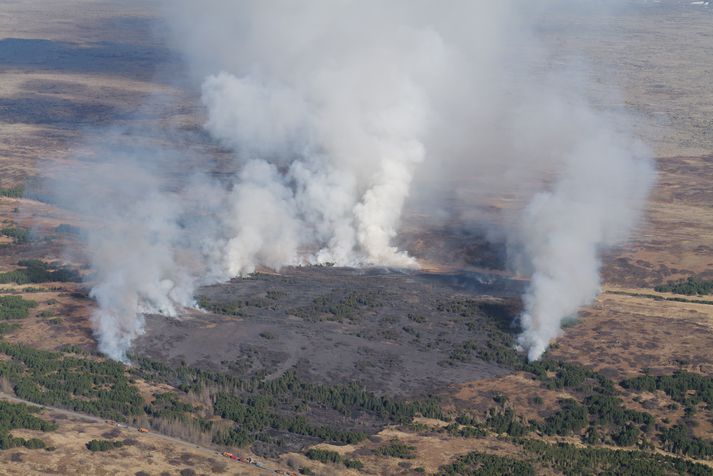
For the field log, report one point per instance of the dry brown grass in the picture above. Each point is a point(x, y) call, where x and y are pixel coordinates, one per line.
point(620, 335)
point(147, 452)
point(432, 451)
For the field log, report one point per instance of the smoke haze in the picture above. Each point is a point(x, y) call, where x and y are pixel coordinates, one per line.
point(337, 114)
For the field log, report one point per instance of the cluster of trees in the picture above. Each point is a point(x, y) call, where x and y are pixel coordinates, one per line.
point(257, 415)
point(396, 449)
point(684, 387)
point(15, 307)
point(572, 460)
point(572, 417)
point(504, 420)
point(166, 405)
point(568, 375)
point(103, 445)
point(603, 416)
point(6, 327)
point(324, 456)
point(327, 457)
point(15, 416)
point(227, 309)
point(97, 387)
point(465, 431)
point(679, 439)
point(12, 192)
point(349, 399)
point(481, 464)
point(495, 321)
point(463, 351)
point(238, 307)
point(18, 235)
point(690, 287)
point(263, 408)
point(36, 271)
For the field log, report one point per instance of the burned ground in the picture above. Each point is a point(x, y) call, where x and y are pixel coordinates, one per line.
point(397, 333)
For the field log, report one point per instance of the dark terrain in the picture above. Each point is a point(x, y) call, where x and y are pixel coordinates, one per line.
point(406, 334)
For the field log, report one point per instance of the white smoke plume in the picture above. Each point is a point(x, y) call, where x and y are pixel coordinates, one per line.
point(337, 113)
point(353, 97)
point(349, 140)
point(134, 239)
point(594, 204)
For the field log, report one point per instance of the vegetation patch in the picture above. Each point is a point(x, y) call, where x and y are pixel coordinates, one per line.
point(15, 307)
point(571, 460)
point(481, 464)
point(103, 445)
point(690, 287)
point(18, 235)
point(396, 449)
point(12, 192)
point(96, 387)
point(679, 439)
point(324, 456)
point(270, 411)
point(17, 416)
point(36, 271)
point(683, 387)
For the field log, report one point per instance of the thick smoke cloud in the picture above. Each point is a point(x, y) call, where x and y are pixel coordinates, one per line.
point(135, 236)
point(340, 112)
point(353, 99)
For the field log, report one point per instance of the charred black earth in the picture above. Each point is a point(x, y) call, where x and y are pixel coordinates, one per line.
point(395, 333)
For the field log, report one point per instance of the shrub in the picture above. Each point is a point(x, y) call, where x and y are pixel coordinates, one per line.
point(324, 456)
point(353, 464)
point(103, 445)
point(15, 307)
point(397, 449)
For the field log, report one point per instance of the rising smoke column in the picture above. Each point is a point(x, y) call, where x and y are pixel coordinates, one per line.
point(595, 204)
point(342, 115)
point(134, 238)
